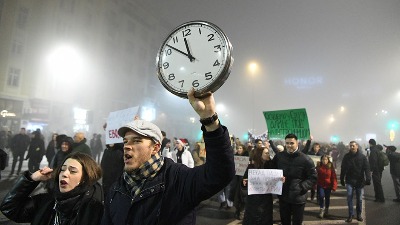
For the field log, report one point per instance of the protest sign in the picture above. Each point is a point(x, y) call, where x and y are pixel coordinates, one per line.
point(283, 122)
point(241, 163)
point(116, 120)
point(316, 159)
point(265, 181)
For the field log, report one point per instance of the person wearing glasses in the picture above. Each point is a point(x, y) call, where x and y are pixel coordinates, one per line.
point(354, 174)
point(154, 189)
point(300, 176)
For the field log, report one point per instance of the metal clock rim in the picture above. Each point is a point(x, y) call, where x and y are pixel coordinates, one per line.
point(224, 74)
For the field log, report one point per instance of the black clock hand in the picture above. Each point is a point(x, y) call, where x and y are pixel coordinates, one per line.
point(184, 53)
point(188, 51)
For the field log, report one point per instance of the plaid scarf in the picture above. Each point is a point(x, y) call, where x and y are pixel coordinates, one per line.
point(136, 179)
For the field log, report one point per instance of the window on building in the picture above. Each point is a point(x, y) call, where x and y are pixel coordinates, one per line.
point(1, 8)
point(13, 77)
point(17, 47)
point(22, 17)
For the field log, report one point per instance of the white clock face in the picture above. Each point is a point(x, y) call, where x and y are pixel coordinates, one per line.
point(194, 55)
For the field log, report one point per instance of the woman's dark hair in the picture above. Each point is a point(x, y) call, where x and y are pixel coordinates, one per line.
point(69, 141)
point(91, 171)
point(257, 158)
point(59, 139)
point(330, 164)
point(325, 156)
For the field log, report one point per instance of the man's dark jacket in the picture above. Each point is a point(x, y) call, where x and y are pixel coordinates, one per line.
point(374, 159)
point(82, 147)
point(300, 175)
point(355, 170)
point(20, 143)
point(112, 165)
point(394, 159)
point(171, 196)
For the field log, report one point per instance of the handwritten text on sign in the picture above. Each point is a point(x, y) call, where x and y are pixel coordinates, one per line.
point(283, 122)
point(116, 120)
point(265, 181)
point(241, 163)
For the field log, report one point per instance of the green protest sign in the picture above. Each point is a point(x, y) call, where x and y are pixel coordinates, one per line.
point(283, 122)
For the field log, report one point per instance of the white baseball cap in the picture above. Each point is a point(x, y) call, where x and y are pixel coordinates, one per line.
point(142, 127)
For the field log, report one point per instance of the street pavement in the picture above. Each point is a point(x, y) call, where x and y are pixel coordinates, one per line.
point(338, 212)
point(208, 212)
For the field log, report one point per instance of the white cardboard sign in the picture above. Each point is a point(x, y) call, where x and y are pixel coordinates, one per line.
point(241, 163)
point(116, 120)
point(265, 181)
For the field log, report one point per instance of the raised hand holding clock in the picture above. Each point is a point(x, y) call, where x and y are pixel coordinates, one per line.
point(207, 71)
point(205, 108)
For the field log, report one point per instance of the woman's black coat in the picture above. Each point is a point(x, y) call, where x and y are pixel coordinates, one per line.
point(19, 206)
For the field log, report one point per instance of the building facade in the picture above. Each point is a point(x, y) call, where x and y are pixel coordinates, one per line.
point(58, 57)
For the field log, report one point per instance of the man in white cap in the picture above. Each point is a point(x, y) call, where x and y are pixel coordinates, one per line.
point(155, 190)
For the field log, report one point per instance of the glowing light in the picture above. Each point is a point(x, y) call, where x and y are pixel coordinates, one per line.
point(65, 61)
point(220, 108)
point(148, 113)
point(253, 67)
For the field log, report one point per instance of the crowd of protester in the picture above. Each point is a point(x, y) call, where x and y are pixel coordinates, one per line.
point(105, 166)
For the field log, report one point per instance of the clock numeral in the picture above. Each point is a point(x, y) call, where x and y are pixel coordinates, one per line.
point(216, 63)
point(181, 81)
point(208, 76)
point(165, 65)
point(168, 51)
point(199, 31)
point(195, 83)
point(175, 39)
point(171, 76)
point(211, 37)
point(218, 48)
point(186, 32)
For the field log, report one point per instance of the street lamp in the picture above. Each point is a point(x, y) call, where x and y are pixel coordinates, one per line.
point(67, 63)
point(252, 68)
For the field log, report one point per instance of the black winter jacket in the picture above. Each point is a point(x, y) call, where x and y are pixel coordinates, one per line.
point(355, 170)
point(374, 159)
point(171, 196)
point(112, 165)
point(300, 175)
point(20, 143)
point(82, 147)
point(36, 150)
point(19, 206)
point(394, 159)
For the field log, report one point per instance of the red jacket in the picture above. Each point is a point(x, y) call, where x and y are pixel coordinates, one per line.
point(326, 176)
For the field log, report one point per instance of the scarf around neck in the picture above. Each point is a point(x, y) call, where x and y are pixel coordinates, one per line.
point(67, 203)
point(136, 179)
